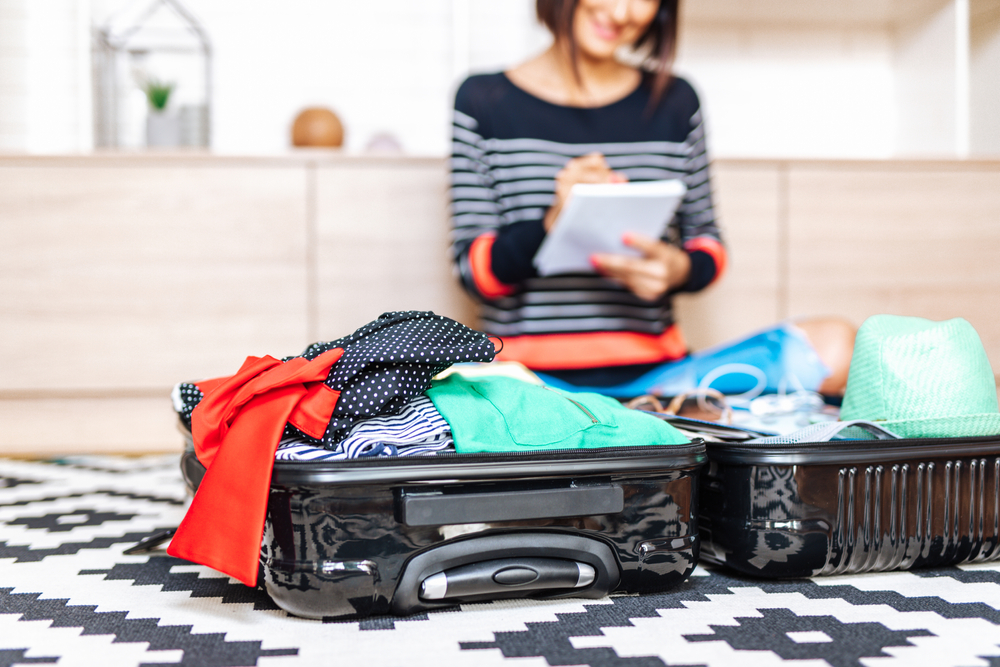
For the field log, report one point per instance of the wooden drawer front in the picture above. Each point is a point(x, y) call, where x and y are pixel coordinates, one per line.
point(909, 241)
point(143, 276)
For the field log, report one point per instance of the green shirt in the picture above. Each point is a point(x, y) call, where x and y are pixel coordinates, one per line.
point(502, 414)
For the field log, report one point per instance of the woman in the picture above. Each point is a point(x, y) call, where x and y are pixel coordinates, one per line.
point(577, 114)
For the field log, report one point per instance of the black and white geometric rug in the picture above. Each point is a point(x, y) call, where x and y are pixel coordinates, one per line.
point(69, 596)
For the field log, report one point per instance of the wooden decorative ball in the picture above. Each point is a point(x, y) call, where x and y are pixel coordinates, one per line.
point(317, 126)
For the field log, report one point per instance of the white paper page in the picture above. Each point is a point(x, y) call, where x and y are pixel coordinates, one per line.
point(596, 217)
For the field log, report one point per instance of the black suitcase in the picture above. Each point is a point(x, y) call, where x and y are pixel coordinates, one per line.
point(846, 507)
point(399, 535)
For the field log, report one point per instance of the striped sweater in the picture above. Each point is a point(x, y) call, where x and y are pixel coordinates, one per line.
point(507, 147)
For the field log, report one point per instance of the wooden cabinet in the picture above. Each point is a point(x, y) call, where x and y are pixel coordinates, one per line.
point(854, 239)
point(133, 273)
point(382, 244)
point(123, 275)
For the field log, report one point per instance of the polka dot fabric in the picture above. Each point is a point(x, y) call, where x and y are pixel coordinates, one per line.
point(389, 361)
point(385, 364)
point(185, 397)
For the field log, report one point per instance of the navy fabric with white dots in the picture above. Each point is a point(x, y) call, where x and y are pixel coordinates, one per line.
point(389, 361)
point(385, 364)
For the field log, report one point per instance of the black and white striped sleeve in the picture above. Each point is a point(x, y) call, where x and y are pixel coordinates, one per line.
point(492, 254)
point(698, 228)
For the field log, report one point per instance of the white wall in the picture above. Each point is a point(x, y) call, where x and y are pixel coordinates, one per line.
point(928, 82)
point(793, 91)
point(397, 74)
point(44, 79)
point(387, 69)
point(13, 75)
point(984, 91)
point(502, 34)
point(868, 84)
point(390, 75)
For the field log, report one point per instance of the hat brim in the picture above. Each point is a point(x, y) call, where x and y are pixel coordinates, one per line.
point(965, 426)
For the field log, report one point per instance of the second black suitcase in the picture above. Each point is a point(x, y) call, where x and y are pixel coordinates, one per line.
point(851, 506)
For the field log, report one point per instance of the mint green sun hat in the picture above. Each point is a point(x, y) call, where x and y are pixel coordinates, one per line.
point(922, 379)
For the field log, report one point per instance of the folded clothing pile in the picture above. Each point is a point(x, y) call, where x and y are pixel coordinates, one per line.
point(418, 429)
point(374, 372)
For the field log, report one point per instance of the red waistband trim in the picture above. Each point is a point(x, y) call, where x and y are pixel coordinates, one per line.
point(593, 350)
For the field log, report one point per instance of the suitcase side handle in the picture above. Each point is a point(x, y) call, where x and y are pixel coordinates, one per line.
point(533, 564)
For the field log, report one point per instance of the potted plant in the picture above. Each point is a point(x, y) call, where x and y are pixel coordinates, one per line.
point(162, 127)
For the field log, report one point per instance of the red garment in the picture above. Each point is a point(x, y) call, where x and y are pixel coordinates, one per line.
point(236, 428)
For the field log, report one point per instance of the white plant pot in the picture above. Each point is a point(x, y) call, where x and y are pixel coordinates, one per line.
point(163, 129)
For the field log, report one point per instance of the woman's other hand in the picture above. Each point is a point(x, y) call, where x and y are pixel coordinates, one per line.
point(590, 168)
point(661, 267)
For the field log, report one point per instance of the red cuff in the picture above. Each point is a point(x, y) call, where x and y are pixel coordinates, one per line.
point(481, 263)
point(713, 249)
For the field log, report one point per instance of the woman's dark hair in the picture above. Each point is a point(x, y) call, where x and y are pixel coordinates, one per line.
point(659, 42)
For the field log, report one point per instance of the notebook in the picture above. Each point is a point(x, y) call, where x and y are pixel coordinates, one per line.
point(598, 214)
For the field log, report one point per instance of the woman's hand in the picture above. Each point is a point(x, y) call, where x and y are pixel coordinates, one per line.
point(661, 267)
point(590, 168)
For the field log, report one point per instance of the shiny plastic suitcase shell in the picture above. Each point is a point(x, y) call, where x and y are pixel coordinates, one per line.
point(349, 539)
point(782, 511)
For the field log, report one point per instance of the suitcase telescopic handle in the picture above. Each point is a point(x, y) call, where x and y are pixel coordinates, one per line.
point(434, 508)
point(506, 574)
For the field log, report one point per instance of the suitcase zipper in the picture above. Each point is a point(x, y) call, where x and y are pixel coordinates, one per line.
point(888, 443)
point(496, 465)
point(696, 445)
point(857, 451)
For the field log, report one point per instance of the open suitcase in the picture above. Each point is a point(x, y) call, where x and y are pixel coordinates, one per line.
point(581, 510)
point(845, 507)
point(354, 538)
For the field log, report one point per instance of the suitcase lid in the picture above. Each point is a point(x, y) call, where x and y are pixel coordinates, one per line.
point(467, 467)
